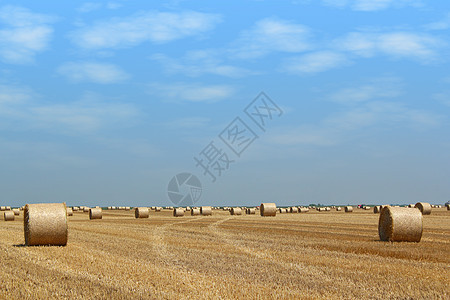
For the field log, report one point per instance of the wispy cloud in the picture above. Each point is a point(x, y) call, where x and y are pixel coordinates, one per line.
point(417, 46)
point(24, 35)
point(90, 113)
point(371, 5)
point(377, 89)
point(314, 62)
point(442, 24)
point(192, 92)
point(88, 7)
point(103, 73)
point(156, 27)
point(201, 62)
point(272, 35)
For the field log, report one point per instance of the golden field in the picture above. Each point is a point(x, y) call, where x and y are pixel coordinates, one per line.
point(314, 255)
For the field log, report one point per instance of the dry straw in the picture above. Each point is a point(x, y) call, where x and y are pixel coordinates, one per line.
point(236, 211)
point(377, 209)
point(206, 210)
point(141, 212)
point(195, 211)
point(348, 209)
point(178, 212)
point(294, 210)
point(338, 208)
point(2, 208)
point(400, 224)
point(251, 211)
point(8, 216)
point(45, 224)
point(16, 211)
point(95, 213)
point(304, 210)
point(75, 208)
point(86, 209)
point(268, 209)
point(69, 212)
point(158, 209)
point(425, 208)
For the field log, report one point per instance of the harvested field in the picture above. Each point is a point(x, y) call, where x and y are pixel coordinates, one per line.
point(327, 256)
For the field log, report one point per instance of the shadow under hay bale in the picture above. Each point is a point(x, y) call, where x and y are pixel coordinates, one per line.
point(425, 208)
point(400, 224)
point(268, 209)
point(141, 212)
point(95, 213)
point(45, 224)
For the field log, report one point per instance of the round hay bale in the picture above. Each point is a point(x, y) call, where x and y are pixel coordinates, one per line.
point(377, 209)
point(95, 213)
point(400, 224)
point(141, 212)
point(348, 209)
point(251, 211)
point(236, 211)
point(328, 208)
point(158, 209)
point(425, 208)
point(268, 209)
point(195, 211)
point(45, 224)
point(8, 208)
point(8, 216)
point(69, 212)
point(206, 211)
point(2, 208)
point(75, 208)
point(294, 210)
point(448, 207)
point(16, 211)
point(178, 212)
point(86, 209)
point(304, 210)
point(338, 208)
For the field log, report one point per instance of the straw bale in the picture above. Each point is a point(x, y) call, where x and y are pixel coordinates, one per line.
point(69, 212)
point(16, 211)
point(377, 209)
point(8, 208)
point(251, 211)
point(95, 213)
point(303, 210)
point(338, 208)
point(8, 215)
point(425, 208)
point(348, 209)
point(75, 208)
point(178, 212)
point(236, 211)
point(294, 210)
point(86, 209)
point(45, 224)
point(268, 209)
point(141, 212)
point(158, 209)
point(2, 208)
point(195, 211)
point(206, 211)
point(400, 224)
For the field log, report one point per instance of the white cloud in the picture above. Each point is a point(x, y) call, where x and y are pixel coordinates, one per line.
point(201, 62)
point(89, 7)
point(25, 34)
point(272, 35)
point(315, 62)
point(416, 46)
point(192, 122)
point(21, 110)
point(156, 27)
point(92, 72)
point(371, 5)
point(192, 92)
point(440, 25)
point(443, 97)
point(377, 89)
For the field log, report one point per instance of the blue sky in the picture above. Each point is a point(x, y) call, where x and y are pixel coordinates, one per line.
point(102, 103)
